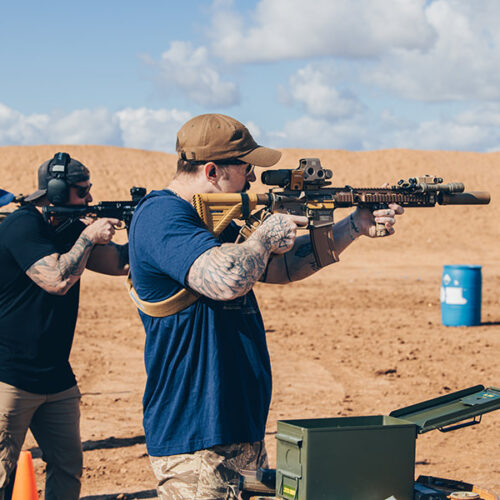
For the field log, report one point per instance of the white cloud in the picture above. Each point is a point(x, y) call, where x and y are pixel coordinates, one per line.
point(134, 128)
point(291, 29)
point(151, 129)
point(461, 65)
point(307, 132)
point(312, 86)
point(84, 126)
point(190, 71)
point(436, 134)
point(254, 129)
point(78, 127)
point(475, 129)
point(15, 128)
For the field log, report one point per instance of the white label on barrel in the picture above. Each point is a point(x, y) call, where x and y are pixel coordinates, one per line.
point(453, 295)
point(446, 279)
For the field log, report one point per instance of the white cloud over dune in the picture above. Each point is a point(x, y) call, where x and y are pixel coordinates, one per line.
point(16, 128)
point(133, 128)
point(440, 50)
point(314, 89)
point(292, 29)
point(461, 64)
point(476, 129)
point(190, 71)
point(353, 74)
point(151, 129)
point(356, 74)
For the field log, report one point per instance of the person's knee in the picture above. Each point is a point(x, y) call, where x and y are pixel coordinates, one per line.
point(68, 459)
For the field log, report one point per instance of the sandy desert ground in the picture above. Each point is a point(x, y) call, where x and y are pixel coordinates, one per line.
point(362, 337)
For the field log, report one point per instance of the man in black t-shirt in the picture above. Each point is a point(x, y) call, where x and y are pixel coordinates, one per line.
point(41, 262)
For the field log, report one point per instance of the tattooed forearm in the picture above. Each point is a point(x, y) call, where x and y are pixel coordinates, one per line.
point(73, 262)
point(228, 271)
point(57, 273)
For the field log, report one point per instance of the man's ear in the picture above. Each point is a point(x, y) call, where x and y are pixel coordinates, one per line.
point(211, 171)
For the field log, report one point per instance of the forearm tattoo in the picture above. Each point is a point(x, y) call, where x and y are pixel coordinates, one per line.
point(301, 261)
point(228, 271)
point(273, 233)
point(57, 273)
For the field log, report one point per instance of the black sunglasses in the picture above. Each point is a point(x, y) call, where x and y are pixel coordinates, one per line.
point(249, 167)
point(82, 191)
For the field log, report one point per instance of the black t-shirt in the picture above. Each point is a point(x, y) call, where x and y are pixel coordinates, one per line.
point(36, 327)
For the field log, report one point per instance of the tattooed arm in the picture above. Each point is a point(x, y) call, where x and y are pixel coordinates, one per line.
point(299, 262)
point(57, 273)
point(230, 270)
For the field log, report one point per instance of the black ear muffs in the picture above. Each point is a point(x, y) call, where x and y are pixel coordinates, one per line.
point(57, 185)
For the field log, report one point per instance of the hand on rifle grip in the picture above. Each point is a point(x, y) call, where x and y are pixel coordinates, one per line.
point(101, 231)
point(252, 223)
point(380, 230)
point(384, 220)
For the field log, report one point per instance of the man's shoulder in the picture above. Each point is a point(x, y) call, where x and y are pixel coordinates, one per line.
point(162, 197)
point(164, 203)
point(27, 212)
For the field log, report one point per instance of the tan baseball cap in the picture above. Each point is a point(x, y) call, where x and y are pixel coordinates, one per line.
point(214, 137)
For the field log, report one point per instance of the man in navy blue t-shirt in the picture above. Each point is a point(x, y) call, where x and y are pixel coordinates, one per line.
point(208, 385)
point(41, 261)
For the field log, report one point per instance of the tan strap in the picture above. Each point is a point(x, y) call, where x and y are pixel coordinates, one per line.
point(179, 301)
point(216, 212)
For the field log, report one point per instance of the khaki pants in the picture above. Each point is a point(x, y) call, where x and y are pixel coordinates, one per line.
point(211, 474)
point(54, 420)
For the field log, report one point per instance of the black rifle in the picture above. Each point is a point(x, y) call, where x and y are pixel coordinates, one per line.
point(121, 210)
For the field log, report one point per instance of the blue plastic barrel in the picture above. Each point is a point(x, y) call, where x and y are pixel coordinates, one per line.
point(461, 296)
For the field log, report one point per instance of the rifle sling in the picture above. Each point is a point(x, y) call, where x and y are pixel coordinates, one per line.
point(184, 298)
point(179, 301)
point(322, 245)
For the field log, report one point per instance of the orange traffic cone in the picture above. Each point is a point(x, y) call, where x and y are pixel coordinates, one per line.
point(25, 483)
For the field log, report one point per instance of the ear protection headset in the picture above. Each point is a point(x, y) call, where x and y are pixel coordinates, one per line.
point(57, 185)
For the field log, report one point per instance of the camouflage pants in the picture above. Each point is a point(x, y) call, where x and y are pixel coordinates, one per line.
point(211, 474)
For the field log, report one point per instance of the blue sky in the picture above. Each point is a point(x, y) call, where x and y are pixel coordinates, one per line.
point(336, 74)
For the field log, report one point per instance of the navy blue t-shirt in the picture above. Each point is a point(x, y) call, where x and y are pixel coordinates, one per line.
point(208, 368)
point(36, 327)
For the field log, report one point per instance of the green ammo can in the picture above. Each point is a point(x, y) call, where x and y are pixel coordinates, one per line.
point(367, 458)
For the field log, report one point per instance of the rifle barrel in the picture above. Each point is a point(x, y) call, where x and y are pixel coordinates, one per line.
point(470, 198)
